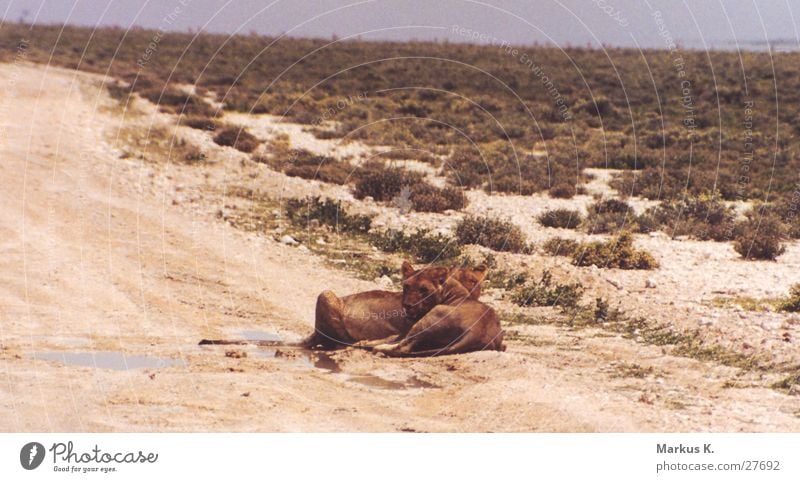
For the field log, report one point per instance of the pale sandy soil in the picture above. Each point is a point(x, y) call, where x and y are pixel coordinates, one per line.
point(102, 253)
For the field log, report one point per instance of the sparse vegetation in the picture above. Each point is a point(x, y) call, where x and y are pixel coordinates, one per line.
point(310, 211)
point(561, 247)
point(306, 164)
point(747, 303)
point(669, 157)
point(492, 233)
point(703, 217)
point(428, 198)
point(424, 246)
point(238, 138)
point(384, 183)
point(760, 237)
point(560, 218)
point(792, 303)
point(200, 122)
point(546, 292)
point(562, 191)
point(406, 188)
point(632, 370)
point(618, 252)
point(787, 383)
point(610, 215)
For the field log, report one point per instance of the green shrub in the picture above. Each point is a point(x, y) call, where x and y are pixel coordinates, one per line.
point(307, 165)
point(611, 205)
point(560, 218)
point(760, 237)
point(600, 310)
point(615, 253)
point(428, 198)
point(703, 217)
point(118, 91)
point(792, 303)
point(481, 120)
point(467, 168)
point(178, 102)
point(491, 233)
point(609, 215)
point(547, 293)
point(328, 213)
point(506, 280)
point(425, 247)
point(238, 138)
point(562, 191)
point(200, 122)
point(603, 313)
point(646, 223)
point(561, 247)
point(383, 183)
point(403, 154)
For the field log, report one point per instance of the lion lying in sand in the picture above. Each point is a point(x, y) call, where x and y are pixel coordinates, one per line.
point(378, 316)
point(449, 320)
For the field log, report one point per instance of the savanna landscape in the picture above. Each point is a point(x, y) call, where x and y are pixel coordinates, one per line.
point(634, 212)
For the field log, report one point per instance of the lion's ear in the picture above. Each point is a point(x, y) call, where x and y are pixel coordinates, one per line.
point(407, 270)
point(480, 272)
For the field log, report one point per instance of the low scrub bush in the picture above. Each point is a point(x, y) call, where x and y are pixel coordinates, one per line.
point(561, 247)
point(428, 198)
point(408, 189)
point(176, 101)
point(562, 191)
point(792, 303)
point(307, 165)
point(408, 153)
point(238, 138)
point(383, 183)
point(704, 217)
point(505, 280)
point(560, 218)
point(760, 237)
point(546, 292)
point(618, 252)
point(326, 212)
point(424, 246)
point(200, 122)
point(610, 215)
point(491, 233)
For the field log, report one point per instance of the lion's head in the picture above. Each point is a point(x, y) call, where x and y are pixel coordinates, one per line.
point(422, 289)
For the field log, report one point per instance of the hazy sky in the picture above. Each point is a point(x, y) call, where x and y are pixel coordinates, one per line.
point(692, 23)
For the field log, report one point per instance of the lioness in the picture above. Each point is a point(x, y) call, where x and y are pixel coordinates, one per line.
point(450, 321)
point(377, 316)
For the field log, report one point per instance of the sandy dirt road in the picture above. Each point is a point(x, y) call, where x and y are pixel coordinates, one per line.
point(94, 260)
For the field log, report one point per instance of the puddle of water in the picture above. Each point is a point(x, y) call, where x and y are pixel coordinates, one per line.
point(323, 361)
point(258, 335)
point(309, 358)
point(377, 382)
point(112, 360)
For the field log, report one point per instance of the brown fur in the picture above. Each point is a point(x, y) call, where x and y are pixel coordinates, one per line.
point(451, 321)
point(375, 316)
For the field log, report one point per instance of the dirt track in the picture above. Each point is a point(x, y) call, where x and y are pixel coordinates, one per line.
point(94, 257)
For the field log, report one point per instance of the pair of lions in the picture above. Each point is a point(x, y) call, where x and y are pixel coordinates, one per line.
point(438, 313)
